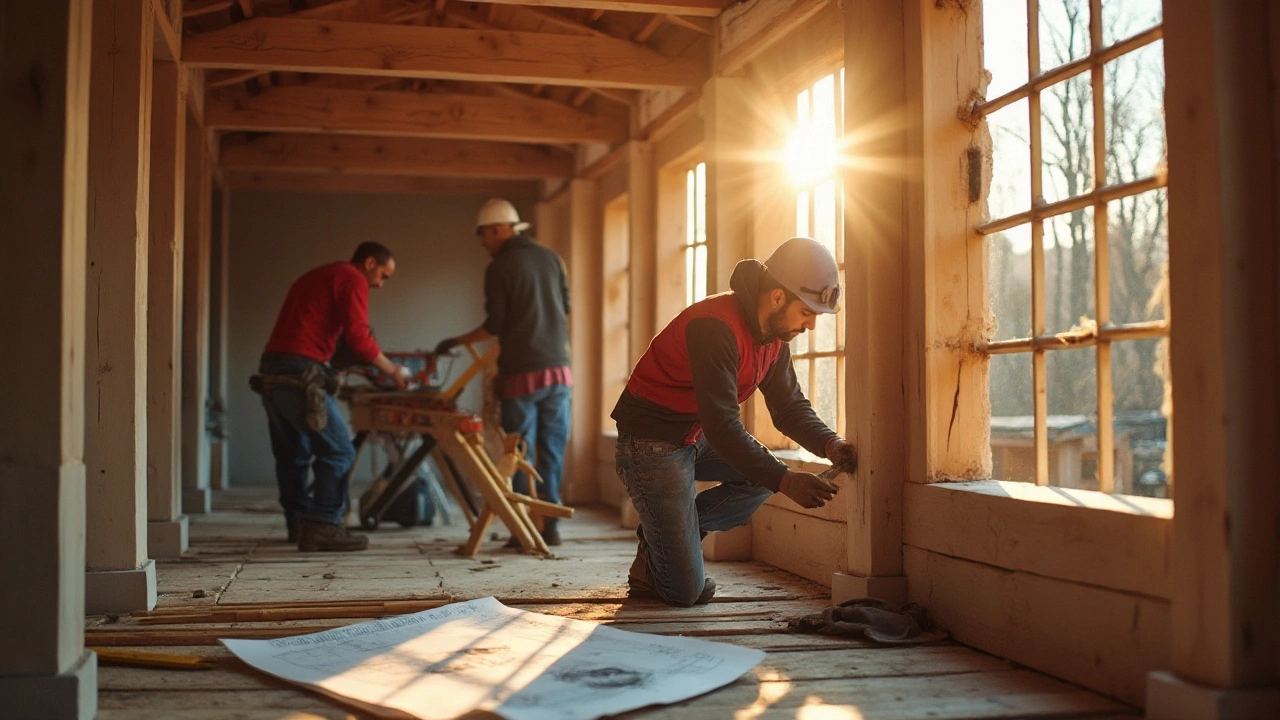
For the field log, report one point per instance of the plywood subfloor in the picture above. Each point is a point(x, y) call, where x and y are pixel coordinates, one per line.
point(239, 560)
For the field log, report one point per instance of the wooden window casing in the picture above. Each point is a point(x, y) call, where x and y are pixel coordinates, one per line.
point(1102, 332)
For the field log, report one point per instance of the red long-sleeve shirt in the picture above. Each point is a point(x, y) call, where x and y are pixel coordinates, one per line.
point(324, 303)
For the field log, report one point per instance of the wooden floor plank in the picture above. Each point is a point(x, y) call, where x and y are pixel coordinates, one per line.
point(239, 559)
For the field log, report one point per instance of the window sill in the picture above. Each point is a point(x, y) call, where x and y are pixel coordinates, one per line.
point(1083, 536)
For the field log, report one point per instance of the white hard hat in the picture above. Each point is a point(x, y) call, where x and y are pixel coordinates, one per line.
point(497, 211)
point(806, 268)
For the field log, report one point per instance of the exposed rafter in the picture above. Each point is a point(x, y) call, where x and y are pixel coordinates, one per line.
point(308, 109)
point(354, 48)
point(697, 8)
point(416, 157)
point(339, 182)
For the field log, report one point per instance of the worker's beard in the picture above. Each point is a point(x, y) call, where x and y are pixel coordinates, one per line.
point(778, 327)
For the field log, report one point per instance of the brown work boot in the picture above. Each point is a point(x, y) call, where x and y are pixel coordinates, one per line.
point(640, 587)
point(551, 531)
point(313, 536)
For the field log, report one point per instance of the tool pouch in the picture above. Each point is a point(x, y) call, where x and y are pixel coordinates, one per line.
point(315, 387)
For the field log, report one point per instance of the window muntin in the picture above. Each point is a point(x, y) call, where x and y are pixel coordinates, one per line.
point(1078, 242)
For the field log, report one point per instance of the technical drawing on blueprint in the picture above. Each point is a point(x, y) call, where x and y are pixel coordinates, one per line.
point(483, 655)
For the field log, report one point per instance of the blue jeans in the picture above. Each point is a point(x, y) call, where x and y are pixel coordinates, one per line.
point(542, 418)
point(294, 445)
point(659, 477)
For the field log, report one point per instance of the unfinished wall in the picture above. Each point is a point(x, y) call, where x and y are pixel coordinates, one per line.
point(436, 291)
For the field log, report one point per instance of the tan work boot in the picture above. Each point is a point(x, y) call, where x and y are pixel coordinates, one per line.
point(313, 536)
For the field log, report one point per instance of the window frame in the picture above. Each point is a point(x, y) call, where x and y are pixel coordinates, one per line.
point(810, 356)
point(1103, 333)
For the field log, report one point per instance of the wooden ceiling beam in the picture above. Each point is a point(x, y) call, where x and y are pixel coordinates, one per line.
point(695, 8)
point(417, 157)
point(650, 27)
point(551, 17)
point(301, 108)
point(354, 48)
point(339, 182)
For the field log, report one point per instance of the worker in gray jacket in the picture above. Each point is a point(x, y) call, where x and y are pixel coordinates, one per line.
point(526, 293)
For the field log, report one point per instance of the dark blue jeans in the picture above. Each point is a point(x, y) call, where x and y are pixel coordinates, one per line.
point(659, 477)
point(542, 418)
point(294, 446)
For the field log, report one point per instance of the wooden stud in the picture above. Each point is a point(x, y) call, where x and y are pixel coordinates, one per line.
point(693, 8)
point(690, 24)
point(337, 182)
point(353, 48)
point(115, 359)
point(649, 28)
point(642, 215)
point(45, 62)
point(195, 322)
point(164, 311)
point(411, 114)
point(746, 30)
point(396, 156)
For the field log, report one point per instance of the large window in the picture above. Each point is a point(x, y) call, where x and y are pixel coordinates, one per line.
point(695, 251)
point(1077, 230)
point(811, 157)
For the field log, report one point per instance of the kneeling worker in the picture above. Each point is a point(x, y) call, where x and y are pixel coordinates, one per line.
point(325, 303)
point(679, 419)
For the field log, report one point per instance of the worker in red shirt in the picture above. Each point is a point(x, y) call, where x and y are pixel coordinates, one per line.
point(324, 304)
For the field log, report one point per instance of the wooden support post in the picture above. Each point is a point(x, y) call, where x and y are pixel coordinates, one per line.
point(44, 66)
point(219, 335)
point(876, 236)
point(195, 323)
point(120, 577)
point(642, 215)
point(729, 129)
point(166, 525)
point(1222, 59)
point(584, 263)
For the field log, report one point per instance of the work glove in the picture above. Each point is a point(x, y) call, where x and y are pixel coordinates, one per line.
point(806, 489)
point(445, 345)
point(843, 456)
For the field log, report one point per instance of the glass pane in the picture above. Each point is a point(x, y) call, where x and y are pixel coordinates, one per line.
point(1010, 190)
point(1138, 232)
point(825, 390)
point(700, 272)
point(1066, 134)
point(700, 203)
point(1010, 282)
point(824, 215)
point(1064, 32)
point(1125, 18)
point(800, 345)
point(802, 213)
point(1135, 114)
point(1004, 46)
point(1068, 271)
point(1013, 455)
point(1072, 423)
point(1139, 369)
point(824, 332)
point(802, 376)
point(689, 298)
point(690, 213)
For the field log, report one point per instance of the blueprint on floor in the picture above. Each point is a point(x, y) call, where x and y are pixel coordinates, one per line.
point(482, 655)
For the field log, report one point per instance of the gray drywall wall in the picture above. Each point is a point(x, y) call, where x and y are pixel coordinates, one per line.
point(437, 290)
